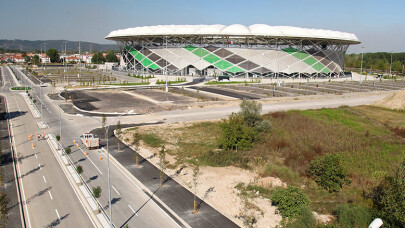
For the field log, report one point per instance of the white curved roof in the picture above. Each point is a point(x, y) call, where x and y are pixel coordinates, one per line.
point(233, 30)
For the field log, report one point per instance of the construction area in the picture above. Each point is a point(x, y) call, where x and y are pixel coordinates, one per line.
point(150, 99)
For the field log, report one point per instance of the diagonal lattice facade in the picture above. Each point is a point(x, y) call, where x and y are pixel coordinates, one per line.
point(243, 56)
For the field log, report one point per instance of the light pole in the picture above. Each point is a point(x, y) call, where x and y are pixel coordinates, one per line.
point(361, 64)
point(108, 162)
point(391, 65)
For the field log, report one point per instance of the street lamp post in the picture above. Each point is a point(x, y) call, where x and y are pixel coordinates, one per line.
point(361, 64)
point(108, 163)
point(391, 65)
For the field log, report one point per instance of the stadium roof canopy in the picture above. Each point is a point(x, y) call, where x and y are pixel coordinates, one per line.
point(233, 30)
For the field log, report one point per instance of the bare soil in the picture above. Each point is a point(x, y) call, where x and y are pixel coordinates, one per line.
point(395, 100)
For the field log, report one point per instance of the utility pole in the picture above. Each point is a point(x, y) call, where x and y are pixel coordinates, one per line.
point(391, 65)
point(361, 64)
point(80, 62)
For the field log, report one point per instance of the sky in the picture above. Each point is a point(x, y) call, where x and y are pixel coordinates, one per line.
point(379, 24)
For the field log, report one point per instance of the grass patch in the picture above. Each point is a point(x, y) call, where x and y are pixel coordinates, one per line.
point(231, 82)
point(153, 140)
point(369, 139)
point(169, 82)
point(20, 88)
point(128, 84)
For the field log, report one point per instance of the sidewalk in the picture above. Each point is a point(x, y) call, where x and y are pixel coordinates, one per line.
point(175, 196)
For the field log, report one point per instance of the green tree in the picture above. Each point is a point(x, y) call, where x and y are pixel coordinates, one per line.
point(389, 198)
point(289, 201)
point(53, 55)
point(250, 112)
point(329, 172)
point(111, 57)
point(235, 134)
point(98, 58)
point(36, 60)
point(27, 59)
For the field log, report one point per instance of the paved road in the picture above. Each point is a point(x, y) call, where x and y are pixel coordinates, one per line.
point(49, 197)
point(130, 204)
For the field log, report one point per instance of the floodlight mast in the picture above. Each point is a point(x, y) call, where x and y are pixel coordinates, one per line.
point(167, 89)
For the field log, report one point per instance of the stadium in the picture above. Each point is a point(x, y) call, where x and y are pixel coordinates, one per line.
point(258, 50)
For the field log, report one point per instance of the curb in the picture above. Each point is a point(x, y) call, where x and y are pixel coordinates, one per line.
point(147, 191)
point(72, 182)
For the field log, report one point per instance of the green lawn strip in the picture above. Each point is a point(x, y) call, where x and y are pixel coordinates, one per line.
point(21, 88)
point(231, 82)
point(169, 82)
point(128, 84)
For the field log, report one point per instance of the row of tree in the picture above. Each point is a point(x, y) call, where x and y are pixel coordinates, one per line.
point(377, 61)
point(54, 57)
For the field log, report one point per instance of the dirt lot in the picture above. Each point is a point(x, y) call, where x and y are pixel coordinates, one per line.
point(217, 185)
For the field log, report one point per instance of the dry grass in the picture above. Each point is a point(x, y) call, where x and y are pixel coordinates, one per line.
point(370, 138)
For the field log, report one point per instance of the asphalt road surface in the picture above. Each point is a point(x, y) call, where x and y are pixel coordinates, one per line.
point(129, 203)
point(49, 199)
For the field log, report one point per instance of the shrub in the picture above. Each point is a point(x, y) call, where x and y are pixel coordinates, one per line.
point(289, 201)
point(67, 150)
point(235, 134)
point(389, 198)
point(304, 219)
point(79, 169)
point(97, 191)
point(350, 215)
point(328, 172)
point(57, 138)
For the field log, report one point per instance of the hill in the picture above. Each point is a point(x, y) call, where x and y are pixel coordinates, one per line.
point(71, 46)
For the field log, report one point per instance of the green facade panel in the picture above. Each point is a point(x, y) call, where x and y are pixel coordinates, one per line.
point(200, 52)
point(235, 69)
point(223, 64)
point(142, 59)
point(212, 58)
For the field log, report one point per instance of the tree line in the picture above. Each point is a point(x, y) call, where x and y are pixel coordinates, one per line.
point(379, 61)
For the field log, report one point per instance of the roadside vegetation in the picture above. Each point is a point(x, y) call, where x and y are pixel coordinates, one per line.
point(347, 161)
point(232, 82)
point(20, 88)
point(177, 81)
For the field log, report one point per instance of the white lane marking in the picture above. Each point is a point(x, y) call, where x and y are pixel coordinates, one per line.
point(141, 189)
point(133, 211)
point(44, 179)
point(115, 190)
point(70, 182)
point(91, 161)
point(56, 210)
point(36, 156)
point(18, 166)
point(50, 195)
point(39, 166)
